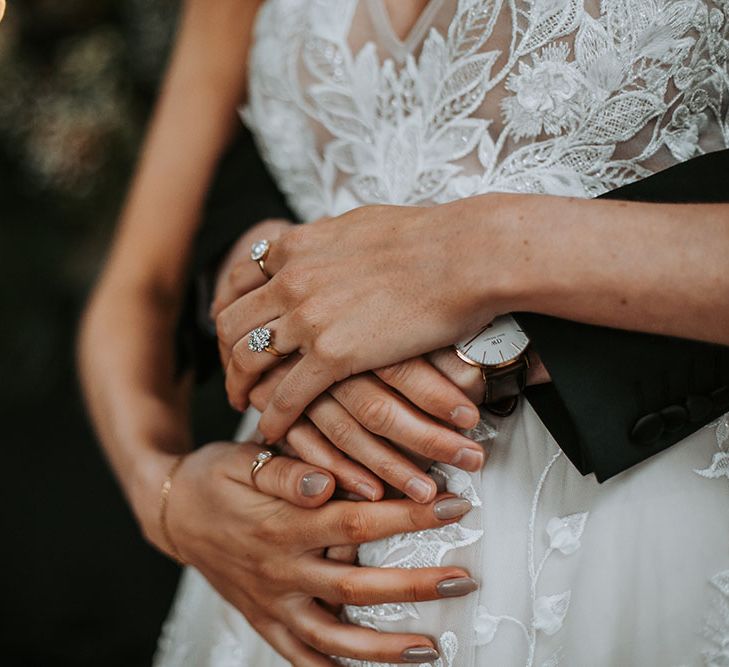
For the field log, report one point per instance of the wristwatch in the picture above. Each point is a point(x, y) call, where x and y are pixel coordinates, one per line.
point(500, 351)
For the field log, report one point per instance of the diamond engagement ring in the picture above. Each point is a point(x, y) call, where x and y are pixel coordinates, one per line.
point(259, 253)
point(259, 340)
point(262, 458)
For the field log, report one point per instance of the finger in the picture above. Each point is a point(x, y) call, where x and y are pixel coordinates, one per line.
point(297, 482)
point(311, 446)
point(292, 648)
point(422, 384)
point(340, 583)
point(240, 274)
point(344, 553)
point(467, 377)
point(380, 457)
point(301, 385)
point(250, 311)
point(246, 365)
point(380, 411)
point(234, 282)
point(347, 522)
point(325, 633)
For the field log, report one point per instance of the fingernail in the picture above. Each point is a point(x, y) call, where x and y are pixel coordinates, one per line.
point(450, 508)
point(468, 459)
point(366, 491)
point(314, 483)
point(419, 490)
point(419, 654)
point(455, 588)
point(464, 416)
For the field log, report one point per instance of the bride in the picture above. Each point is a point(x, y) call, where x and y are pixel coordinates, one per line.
point(447, 154)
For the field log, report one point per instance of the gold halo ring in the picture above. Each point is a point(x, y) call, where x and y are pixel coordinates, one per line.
point(259, 340)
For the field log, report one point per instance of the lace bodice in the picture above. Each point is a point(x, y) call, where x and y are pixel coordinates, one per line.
point(566, 97)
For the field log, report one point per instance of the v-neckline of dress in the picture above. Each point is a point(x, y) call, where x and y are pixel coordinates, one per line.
point(401, 48)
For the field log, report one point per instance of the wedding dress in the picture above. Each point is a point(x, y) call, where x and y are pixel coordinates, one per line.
point(566, 97)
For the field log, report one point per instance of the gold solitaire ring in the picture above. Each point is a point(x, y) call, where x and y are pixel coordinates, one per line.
point(259, 254)
point(262, 458)
point(259, 340)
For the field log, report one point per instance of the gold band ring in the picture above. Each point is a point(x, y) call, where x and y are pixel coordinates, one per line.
point(261, 459)
point(259, 254)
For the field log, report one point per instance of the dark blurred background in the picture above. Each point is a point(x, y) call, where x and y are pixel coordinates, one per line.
point(77, 80)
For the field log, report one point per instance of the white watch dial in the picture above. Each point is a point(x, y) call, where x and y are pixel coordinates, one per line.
point(498, 343)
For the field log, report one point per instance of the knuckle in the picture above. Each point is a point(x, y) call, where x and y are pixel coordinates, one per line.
point(347, 589)
point(428, 444)
point(355, 526)
point(224, 328)
point(314, 638)
point(333, 357)
point(236, 401)
point(341, 433)
point(239, 357)
point(281, 402)
point(306, 316)
point(397, 374)
point(377, 414)
point(414, 519)
point(292, 282)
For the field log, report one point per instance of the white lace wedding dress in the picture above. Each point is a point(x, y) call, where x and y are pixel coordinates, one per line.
point(567, 97)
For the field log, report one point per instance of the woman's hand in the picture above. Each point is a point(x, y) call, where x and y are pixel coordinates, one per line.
point(367, 289)
point(265, 554)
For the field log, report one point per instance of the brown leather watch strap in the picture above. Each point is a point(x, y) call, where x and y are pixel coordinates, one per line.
point(504, 385)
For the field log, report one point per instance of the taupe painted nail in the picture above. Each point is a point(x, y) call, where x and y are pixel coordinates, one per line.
point(419, 490)
point(455, 588)
point(450, 508)
point(314, 483)
point(420, 654)
point(468, 459)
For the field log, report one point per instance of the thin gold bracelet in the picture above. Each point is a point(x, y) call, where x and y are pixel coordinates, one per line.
point(164, 500)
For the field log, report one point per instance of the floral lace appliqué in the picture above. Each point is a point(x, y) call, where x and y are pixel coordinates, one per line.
point(582, 96)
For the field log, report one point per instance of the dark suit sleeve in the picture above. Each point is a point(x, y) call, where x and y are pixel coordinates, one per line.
point(242, 194)
point(618, 397)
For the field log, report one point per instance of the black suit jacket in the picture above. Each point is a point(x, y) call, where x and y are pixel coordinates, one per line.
point(617, 397)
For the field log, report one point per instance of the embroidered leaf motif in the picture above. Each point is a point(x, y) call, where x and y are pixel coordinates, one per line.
point(462, 90)
point(456, 139)
point(485, 626)
point(552, 660)
point(424, 548)
point(721, 581)
point(548, 20)
point(549, 612)
point(448, 645)
point(370, 615)
point(621, 117)
point(722, 431)
point(719, 467)
point(472, 26)
point(565, 532)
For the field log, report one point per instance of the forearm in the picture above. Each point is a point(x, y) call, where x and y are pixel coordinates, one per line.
point(139, 410)
point(658, 268)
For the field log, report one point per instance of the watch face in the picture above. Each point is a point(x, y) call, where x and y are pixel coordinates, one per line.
point(497, 344)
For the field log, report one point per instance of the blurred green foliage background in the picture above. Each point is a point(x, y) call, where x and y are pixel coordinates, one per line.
point(77, 79)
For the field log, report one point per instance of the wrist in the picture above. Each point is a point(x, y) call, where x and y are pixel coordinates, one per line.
point(494, 244)
point(144, 487)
